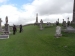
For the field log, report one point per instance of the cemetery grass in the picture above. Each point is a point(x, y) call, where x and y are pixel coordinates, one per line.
point(33, 42)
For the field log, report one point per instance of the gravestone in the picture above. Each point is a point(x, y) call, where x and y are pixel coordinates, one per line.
point(7, 26)
point(68, 23)
point(64, 24)
point(48, 23)
point(57, 23)
point(58, 32)
point(41, 25)
point(73, 21)
point(0, 25)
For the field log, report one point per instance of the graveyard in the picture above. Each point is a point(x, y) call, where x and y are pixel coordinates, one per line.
point(33, 42)
point(38, 39)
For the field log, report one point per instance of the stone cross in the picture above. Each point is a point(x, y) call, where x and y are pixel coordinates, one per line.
point(41, 21)
point(6, 20)
point(7, 29)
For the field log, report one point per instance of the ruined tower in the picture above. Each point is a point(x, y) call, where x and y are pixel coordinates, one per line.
point(73, 21)
point(37, 18)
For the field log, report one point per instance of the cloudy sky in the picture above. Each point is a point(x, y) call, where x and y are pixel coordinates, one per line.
point(24, 11)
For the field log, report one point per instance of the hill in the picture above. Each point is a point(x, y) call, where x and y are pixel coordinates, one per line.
point(33, 42)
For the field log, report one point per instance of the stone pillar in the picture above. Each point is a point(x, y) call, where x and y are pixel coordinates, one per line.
point(73, 21)
point(37, 18)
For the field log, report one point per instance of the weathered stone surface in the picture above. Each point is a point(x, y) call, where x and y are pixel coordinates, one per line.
point(58, 32)
point(69, 29)
point(41, 24)
point(73, 21)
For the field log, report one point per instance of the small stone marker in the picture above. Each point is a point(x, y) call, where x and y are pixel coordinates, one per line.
point(41, 25)
point(48, 23)
point(4, 36)
point(64, 24)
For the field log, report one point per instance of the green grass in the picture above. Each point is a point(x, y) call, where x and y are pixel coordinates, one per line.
point(33, 42)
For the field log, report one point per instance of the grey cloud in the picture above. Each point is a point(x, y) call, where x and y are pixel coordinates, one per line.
point(56, 7)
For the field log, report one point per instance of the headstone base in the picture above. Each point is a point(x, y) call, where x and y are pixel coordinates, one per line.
point(4, 36)
point(58, 35)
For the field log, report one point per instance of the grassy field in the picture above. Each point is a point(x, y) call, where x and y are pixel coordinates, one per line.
point(33, 42)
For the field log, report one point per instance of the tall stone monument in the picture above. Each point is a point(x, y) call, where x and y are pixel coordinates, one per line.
point(0, 25)
point(36, 18)
point(73, 21)
point(6, 25)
